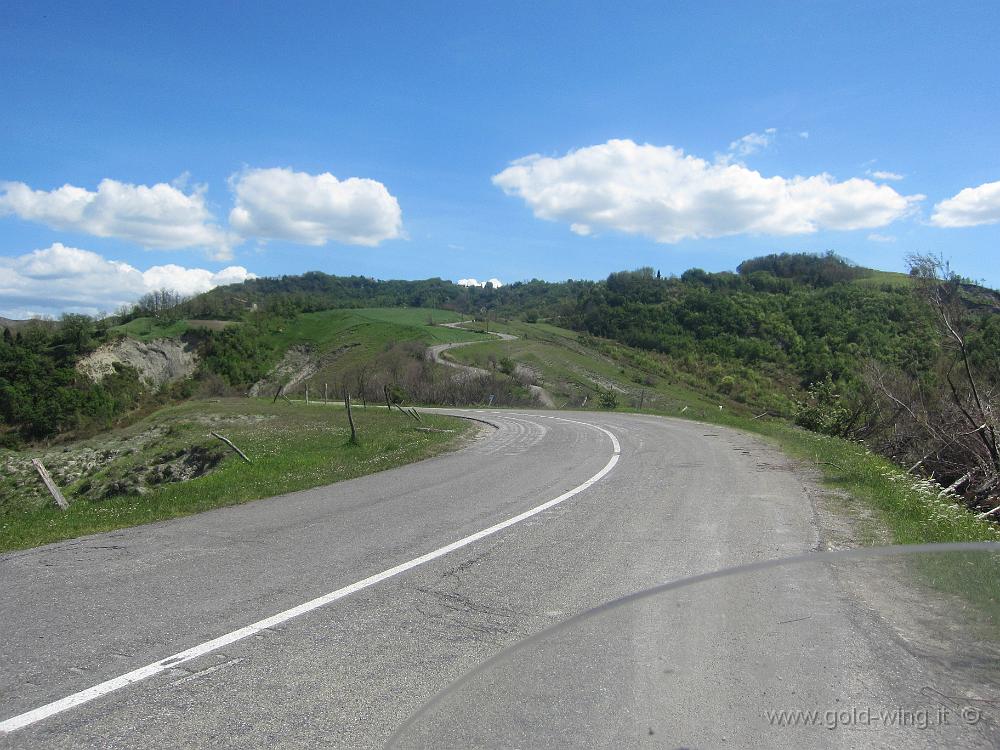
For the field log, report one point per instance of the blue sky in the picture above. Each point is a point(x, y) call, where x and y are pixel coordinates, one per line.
point(635, 110)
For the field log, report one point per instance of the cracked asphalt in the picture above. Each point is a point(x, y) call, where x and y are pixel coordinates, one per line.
point(684, 499)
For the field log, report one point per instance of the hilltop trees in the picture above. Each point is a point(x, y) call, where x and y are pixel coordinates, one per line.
point(805, 328)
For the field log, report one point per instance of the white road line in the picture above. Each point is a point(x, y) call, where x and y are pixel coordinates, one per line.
point(130, 678)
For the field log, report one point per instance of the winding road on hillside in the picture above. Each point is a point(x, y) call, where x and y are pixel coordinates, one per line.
point(437, 351)
point(325, 618)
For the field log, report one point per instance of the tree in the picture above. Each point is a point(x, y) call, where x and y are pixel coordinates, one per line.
point(161, 304)
point(75, 334)
point(941, 289)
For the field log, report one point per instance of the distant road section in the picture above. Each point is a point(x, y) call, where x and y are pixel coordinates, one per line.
point(435, 353)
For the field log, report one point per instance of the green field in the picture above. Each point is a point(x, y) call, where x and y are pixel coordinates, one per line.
point(291, 446)
point(147, 329)
point(372, 328)
point(891, 278)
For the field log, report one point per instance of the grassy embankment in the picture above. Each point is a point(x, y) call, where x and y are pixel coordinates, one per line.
point(292, 447)
point(908, 507)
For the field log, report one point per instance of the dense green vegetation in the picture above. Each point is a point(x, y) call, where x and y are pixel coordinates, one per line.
point(316, 291)
point(41, 392)
point(43, 395)
point(790, 330)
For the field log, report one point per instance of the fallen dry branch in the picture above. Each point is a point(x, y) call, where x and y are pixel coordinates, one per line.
point(989, 513)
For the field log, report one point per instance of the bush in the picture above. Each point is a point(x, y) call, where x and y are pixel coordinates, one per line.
point(608, 399)
point(823, 410)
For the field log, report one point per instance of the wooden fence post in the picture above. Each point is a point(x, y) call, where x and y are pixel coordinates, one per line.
point(50, 485)
point(350, 419)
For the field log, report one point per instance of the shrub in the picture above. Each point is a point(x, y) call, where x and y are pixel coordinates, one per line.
point(608, 399)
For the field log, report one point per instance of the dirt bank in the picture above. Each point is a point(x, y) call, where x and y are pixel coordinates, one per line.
point(158, 361)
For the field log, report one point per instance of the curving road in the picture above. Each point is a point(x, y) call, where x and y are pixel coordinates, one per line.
point(437, 351)
point(420, 573)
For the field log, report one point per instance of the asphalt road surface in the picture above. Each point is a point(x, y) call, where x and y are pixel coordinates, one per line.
point(637, 501)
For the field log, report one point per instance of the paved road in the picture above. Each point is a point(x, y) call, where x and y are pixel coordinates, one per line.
point(437, 351)
point(681, 499)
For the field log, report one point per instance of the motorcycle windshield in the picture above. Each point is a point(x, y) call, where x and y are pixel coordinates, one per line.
point(885, 647)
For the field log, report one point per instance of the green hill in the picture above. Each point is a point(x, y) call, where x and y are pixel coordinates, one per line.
point(903, 362)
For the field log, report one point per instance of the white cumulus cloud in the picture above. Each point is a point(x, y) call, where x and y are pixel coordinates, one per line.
point(281, 204)
point(474, 282)
point(664, 194)
point(971, 207)
point(156, 216)
point(67, 279)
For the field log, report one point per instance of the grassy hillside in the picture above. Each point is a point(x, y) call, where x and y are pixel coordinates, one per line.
point(371, 328)
point(890, 278)
point(168, 465)
point(573, 368)
point(342, 341)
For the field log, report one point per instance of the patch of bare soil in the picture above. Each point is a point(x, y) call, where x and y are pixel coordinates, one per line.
point(115, 463)
point(159, 361)
point(299, 364)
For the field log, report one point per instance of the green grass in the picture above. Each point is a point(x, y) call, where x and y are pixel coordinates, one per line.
point(147, 329)
point(370, 328)
point(292, 446)
point(878, 278)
